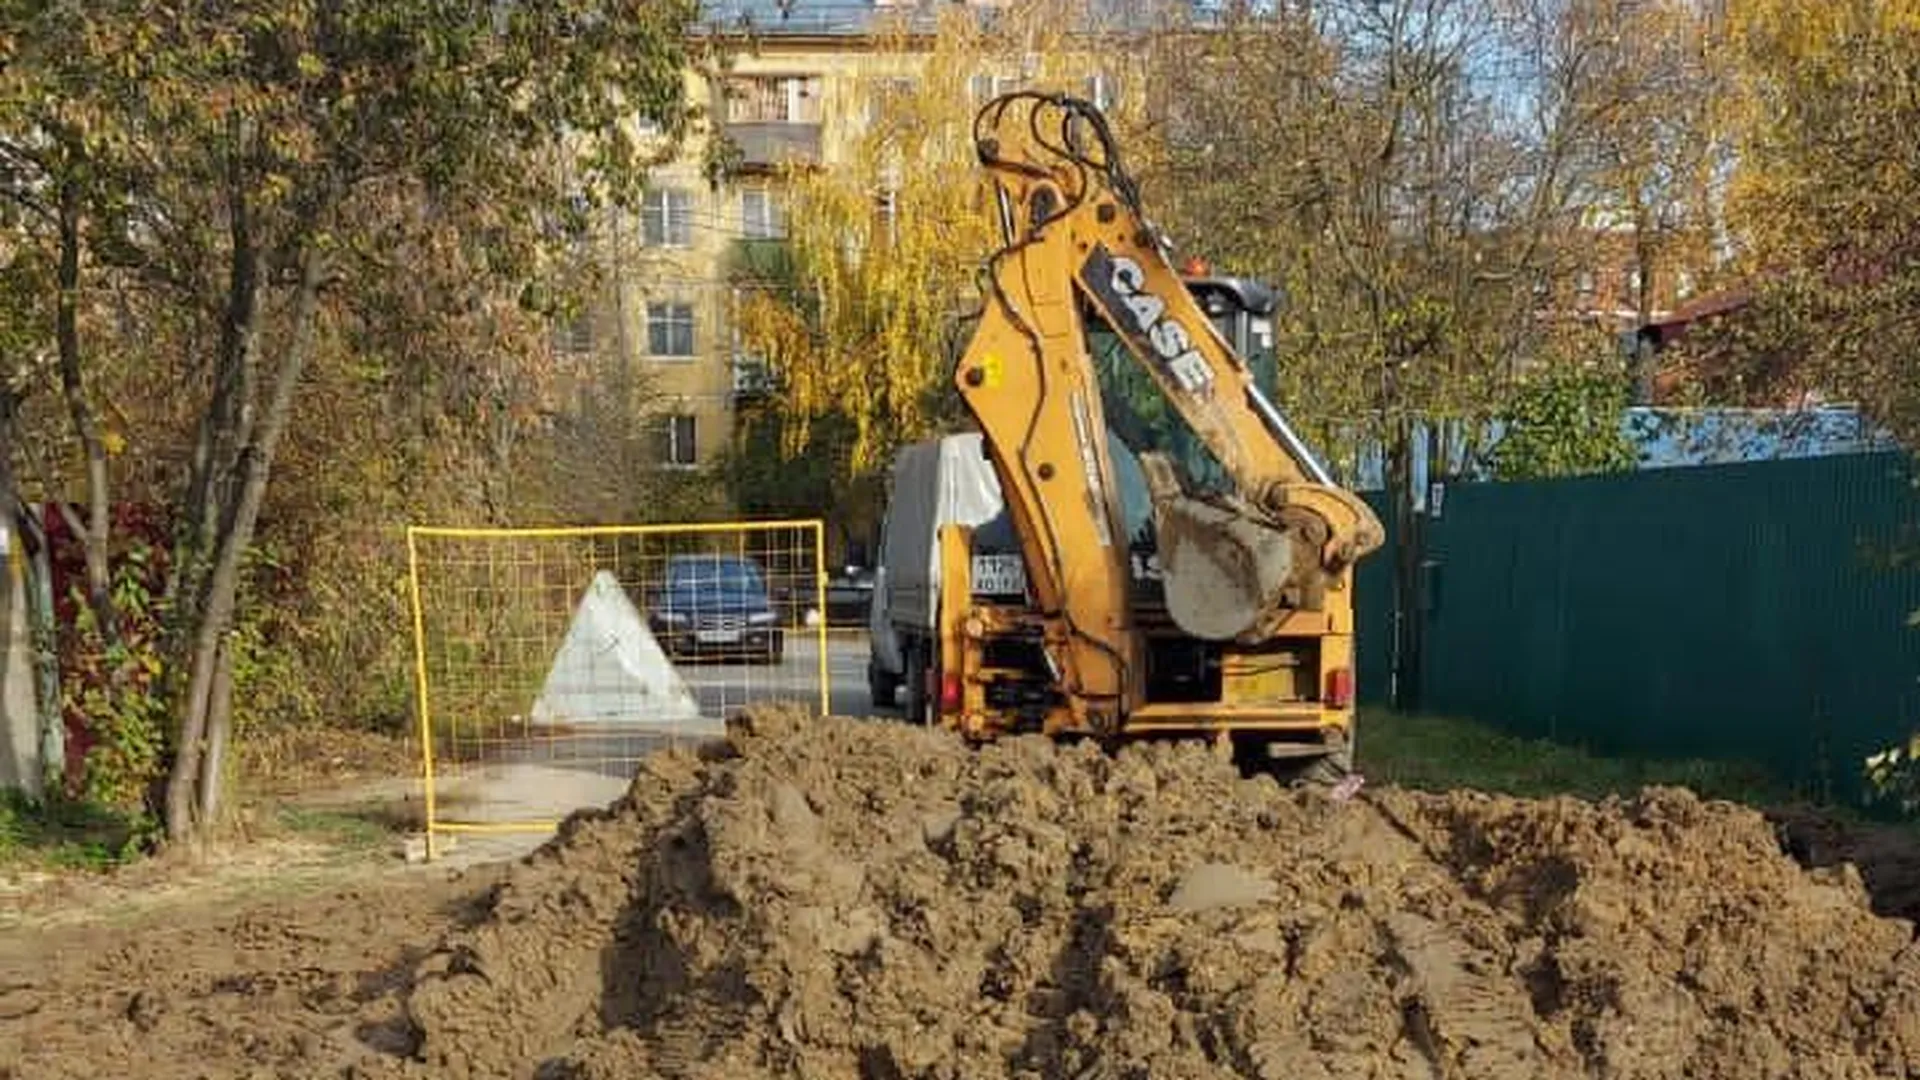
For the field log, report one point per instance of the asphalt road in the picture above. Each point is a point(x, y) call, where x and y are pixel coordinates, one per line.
point(722, 687)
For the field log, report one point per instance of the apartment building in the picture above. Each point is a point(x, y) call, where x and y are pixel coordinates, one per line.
point(665, 322)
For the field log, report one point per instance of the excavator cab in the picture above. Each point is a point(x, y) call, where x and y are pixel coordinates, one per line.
point(1241, 310)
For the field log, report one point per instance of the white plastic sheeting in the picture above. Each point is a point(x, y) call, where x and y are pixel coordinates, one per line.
point(934, 482)
point(610, 671)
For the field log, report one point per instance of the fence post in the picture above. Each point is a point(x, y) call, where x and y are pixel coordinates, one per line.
point(820, 605)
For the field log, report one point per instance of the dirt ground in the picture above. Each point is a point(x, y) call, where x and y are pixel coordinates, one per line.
point(300, 981)
point(871, 901)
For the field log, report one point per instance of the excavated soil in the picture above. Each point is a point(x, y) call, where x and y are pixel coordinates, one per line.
point(839, 899)
point(300, 983)
point(872, 901)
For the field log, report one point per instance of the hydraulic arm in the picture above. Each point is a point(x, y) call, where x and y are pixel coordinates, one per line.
point(1236, 564)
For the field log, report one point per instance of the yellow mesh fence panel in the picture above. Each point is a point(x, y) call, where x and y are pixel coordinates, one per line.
point(550, 661)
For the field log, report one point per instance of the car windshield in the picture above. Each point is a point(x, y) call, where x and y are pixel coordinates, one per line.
point(714, 573)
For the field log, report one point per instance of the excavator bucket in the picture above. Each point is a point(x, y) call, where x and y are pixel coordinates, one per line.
point(1229, 570)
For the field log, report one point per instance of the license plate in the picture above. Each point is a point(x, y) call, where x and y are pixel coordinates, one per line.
point(999, 575)
point(716, 637)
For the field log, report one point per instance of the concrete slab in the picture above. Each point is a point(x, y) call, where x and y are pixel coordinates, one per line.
point(523, 791)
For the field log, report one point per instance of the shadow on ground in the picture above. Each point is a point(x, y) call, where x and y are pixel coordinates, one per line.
point(1887, 856)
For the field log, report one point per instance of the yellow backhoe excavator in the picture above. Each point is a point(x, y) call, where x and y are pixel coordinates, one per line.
point(1188, 562)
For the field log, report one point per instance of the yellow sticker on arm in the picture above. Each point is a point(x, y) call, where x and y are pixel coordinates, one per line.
point(993, 370)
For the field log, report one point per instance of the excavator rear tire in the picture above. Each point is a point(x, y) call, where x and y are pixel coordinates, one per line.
point(1320, 770)
point(918, 683)
point(881, 686)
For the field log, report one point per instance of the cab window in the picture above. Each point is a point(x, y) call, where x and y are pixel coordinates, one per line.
point(1139, 414)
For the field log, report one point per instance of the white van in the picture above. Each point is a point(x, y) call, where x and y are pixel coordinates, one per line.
point(949, 479)
point(934, 482)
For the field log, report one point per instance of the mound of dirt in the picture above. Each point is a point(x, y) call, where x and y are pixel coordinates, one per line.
point(868, 900)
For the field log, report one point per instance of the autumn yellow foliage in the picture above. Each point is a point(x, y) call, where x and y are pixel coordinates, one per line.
point(887, 241)
point(1820, 93)
point(1824, 179)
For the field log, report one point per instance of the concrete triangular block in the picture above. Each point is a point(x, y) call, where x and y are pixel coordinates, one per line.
point(610, 671)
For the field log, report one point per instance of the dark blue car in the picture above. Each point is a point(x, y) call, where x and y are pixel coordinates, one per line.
point(716, 604)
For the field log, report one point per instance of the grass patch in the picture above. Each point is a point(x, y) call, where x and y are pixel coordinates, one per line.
point(69, 835)
point(1441, 753)
point(352, 828)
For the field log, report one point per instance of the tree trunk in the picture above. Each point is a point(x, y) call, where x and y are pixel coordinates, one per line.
point(1643, 259)
point(219, 729)
point(219, 457)
point(93, 535)
point(215, 614)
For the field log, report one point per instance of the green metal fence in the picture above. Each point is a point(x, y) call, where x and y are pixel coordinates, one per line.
point(1754, 612)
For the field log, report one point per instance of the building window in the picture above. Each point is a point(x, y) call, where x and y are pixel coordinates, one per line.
point(774, 99)
point(987, 87)
point(666, 217)
point(1099, 90)
point(677, 441)
point(670, 329)
point(760, 216)
point(887, 96)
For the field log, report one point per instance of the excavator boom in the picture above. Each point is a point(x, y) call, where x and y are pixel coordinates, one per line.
point(1240, 563)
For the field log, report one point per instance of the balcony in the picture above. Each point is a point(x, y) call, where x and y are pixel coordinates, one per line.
point(753, 378)
point(766, 146)
point(773, 120)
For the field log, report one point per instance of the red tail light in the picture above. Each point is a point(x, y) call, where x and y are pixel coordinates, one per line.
point(1339, 693)
point(950, 693)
